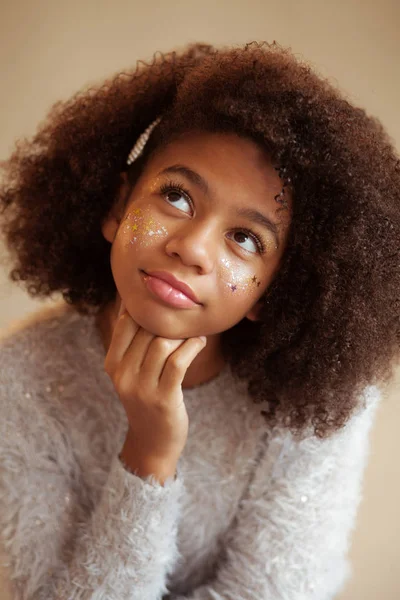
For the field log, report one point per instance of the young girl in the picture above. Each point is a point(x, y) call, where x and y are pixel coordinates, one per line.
point(192, 423)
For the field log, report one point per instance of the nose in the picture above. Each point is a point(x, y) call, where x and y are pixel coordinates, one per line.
point(194, 244)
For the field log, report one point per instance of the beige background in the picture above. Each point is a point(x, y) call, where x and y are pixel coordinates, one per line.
point(50, 49)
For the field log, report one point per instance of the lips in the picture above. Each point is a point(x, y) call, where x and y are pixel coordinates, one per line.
point(175, 283)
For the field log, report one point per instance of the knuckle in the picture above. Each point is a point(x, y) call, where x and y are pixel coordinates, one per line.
point(164, 345)
point(175, 363)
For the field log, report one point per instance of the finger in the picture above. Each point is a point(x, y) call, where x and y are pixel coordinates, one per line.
point(123, 334)
point(178, 363)
point(158, 353)
point(118, 309)
point(135, 354)
point(121, 309)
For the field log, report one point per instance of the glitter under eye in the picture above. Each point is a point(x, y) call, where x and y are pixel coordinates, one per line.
point(245, 285)
point(235, 280)
point(141, 227)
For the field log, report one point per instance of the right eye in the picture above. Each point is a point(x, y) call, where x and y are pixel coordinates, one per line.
point(178, 198)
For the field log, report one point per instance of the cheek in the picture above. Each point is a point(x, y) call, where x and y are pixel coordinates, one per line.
point(141, 228)
point(238, 281)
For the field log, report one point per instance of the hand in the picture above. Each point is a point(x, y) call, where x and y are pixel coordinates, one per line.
point(147, 372)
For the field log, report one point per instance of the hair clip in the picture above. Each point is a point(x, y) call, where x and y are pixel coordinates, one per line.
point(141, 142)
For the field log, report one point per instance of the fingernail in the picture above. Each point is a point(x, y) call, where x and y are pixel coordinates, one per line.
point(203, 338)
point(121, 309)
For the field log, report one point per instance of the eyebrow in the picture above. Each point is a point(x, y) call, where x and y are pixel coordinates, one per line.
point(251, 214)
point(256, 217)
point(192, 176)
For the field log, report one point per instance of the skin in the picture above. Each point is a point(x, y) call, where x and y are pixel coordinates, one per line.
point(153, 349)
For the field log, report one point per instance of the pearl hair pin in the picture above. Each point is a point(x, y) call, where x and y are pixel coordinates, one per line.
point(141, 142)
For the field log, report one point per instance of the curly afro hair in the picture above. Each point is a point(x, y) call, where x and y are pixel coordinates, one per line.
point(330, 319)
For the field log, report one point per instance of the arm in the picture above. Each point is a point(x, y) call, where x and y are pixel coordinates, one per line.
point(292, 531)
point(127, 545)
point(119, 544)
point(120, 549)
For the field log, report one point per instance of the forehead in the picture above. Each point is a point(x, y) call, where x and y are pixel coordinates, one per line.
point(231, 165)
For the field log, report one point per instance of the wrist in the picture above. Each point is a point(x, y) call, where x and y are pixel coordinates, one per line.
point(143, 464)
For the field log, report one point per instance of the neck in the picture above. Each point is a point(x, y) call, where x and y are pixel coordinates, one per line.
point(207, 364)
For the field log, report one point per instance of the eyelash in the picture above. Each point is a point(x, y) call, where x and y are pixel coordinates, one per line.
point(172, 186)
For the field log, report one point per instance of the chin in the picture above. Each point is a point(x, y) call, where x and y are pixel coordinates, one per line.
point(163, 325)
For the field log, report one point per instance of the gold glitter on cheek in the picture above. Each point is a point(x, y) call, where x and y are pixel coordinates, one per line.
point(141, 227)
point(235, 280)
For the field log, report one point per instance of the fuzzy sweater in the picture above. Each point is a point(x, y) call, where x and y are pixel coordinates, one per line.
point(253, 514)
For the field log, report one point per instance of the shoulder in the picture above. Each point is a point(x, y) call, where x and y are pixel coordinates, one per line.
point(50, 340)
point(47, 328)
point(289, 457)
point(41, 359)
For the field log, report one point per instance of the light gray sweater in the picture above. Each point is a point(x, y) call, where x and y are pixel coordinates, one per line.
point(254, 514)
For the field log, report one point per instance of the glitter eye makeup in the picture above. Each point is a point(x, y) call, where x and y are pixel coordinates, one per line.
point(142, 228)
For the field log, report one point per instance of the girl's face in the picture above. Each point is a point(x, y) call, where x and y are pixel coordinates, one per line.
point(203, 212)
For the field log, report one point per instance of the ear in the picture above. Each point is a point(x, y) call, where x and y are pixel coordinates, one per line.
point(112, 221)
point(253, 313)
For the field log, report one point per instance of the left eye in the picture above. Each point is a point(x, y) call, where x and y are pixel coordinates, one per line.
point(245, 241)
point(179, 200)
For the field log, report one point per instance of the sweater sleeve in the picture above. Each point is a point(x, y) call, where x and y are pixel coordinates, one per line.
point(126, 548)
point(59, 542)
point(122, 551)
point(292, 532)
